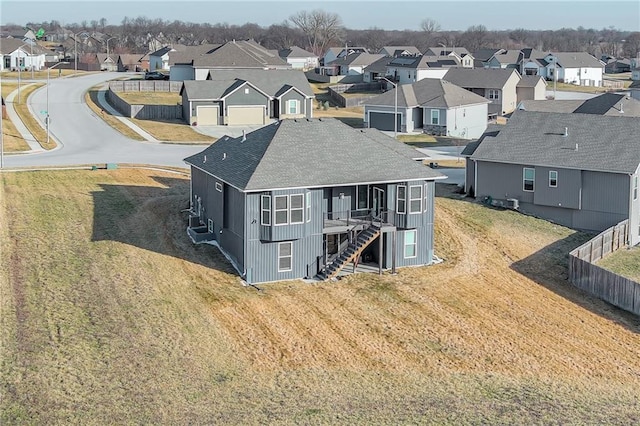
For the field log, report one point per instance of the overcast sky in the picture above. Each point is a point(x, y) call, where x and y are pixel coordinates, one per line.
point(356, 14)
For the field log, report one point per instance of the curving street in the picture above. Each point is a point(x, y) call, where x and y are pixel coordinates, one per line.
point(83, 137)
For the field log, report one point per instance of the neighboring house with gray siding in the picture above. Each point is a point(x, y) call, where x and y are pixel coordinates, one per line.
point(578, 170)
point(303, 198)
point(247, 97)
point(431, 105)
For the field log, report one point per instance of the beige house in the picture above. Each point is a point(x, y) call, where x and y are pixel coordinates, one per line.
point(531, 87)
point(499, 86)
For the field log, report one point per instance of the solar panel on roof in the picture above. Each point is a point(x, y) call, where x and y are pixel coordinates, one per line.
point(403, 61)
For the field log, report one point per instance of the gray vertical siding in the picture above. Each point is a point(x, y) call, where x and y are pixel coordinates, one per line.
point(501, 181)
point(230, 237)
point(634, 219)
point(307, 238)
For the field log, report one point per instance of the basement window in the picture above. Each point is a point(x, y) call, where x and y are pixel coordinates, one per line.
point(410, 243)
point(285, 256)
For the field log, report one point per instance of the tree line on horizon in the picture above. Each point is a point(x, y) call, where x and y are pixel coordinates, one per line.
point(318, 30)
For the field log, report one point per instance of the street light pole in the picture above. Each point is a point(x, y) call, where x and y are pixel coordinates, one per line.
point(47, 119)
point(395, 110)
point(75, 51)
point(108, 46)
point(1, 127)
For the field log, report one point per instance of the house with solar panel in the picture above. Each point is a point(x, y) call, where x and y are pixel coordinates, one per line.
point(578, 169)
point(281, 204)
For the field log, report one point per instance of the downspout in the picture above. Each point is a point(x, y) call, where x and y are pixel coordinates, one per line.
point(475, 178)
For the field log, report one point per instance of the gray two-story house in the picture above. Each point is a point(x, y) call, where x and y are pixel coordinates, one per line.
point(578, 170)
point(304, 198)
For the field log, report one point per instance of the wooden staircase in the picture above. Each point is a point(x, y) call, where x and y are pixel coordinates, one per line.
point(351, 252)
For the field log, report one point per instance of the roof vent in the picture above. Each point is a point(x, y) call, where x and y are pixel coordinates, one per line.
point(621, 110)
point(566, 132)
point(204, 160)
point(224, 155)
point(576, 146)
point(244, 136)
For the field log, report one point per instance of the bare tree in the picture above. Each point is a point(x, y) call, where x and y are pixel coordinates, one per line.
point(631, 46)
point(103, 23)
point(321, 28)
point(429, 26)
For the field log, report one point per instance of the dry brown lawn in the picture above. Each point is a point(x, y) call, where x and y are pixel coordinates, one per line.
point(91, 99)
point(110, 315)
point(174, 131)
point(39, 75)
point(150, 98)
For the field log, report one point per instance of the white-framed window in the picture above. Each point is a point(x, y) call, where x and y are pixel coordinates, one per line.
point(635, 187)
point(425, 197)
point(293, 106)
point(218, 187)
point(435, 116)
point(285, 256)
point(297, 208)
point(308, 206)
point(528, 179)
point(494, 94)
point(410, 243)
point(281, 209)
point(265, 210)
point(210, 226)
point(401, 200)
point(415, 199)
point(553, 179)
point(362, 197)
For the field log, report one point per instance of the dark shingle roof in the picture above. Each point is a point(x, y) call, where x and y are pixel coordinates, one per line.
point(530, 81)
point(295, 52)
point(429, 92)
point(233, 54)
point(271, 82)
point(302, 153)
point(577, 60)
point(356, 59)
point(604, 143)
point(611, 104)
point(399, 50)
point(486, 78)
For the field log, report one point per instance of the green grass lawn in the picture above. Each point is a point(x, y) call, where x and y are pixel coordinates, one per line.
point(625, 262)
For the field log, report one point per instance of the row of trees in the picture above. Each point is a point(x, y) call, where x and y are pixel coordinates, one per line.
point(317, 30)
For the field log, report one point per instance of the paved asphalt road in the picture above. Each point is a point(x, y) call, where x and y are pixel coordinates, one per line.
point(86, 139)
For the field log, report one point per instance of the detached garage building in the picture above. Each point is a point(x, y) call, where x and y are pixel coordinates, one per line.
point(430, 105)
point(246, 97)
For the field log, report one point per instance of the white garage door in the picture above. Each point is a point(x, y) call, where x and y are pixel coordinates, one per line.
point(207, 115)
point(246, 115)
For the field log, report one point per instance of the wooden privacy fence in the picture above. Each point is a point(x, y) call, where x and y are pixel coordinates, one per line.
point(606, 285)
point(335, 92)
point(144, 112)
point(145, 86)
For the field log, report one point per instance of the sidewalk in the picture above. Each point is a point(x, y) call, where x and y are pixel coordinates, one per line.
point(102, 100)
point(20, 127)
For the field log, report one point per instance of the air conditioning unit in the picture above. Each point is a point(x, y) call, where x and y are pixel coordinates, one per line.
point(513, 203)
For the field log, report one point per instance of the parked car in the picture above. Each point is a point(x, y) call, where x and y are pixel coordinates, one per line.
point(155, 75)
